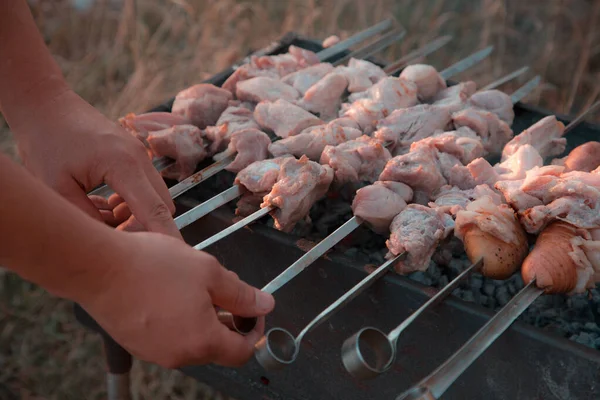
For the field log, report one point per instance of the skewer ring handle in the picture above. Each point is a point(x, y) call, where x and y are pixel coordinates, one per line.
point(367, 353)
point(417, 393)
point(276, 349)
point(241, 325)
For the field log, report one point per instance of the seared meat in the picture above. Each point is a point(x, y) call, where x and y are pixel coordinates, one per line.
point(235, 118)
point(494, 132)
point(407, 125)
point(312, 141)
point(260, 88)
point(545, 136)
point(427, 79)
point(325, 96)
point(202, 104)
point(184, 144)
point(303, 79)
point(361, 159)
point(417, 230)
point(300, 184)
point(379, 203)
point(496, 102)
point(381, 99)
point(249, 145)
point(284, 118)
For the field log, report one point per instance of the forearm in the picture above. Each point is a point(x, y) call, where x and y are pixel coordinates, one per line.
point(29, 76)
point(49, 242)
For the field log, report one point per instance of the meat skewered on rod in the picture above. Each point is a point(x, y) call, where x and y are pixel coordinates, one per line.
point(246, 324)
point(384, 346)
point(279, 348)
point(221, 164)
point(162, 163)
point(205, 208)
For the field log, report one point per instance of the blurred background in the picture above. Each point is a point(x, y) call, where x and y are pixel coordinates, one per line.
point(128, 56)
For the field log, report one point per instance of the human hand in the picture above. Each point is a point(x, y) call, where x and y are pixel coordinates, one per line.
point(73, 148)
point(157, 302)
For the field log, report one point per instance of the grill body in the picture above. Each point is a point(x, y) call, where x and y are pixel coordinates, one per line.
point(524, 363)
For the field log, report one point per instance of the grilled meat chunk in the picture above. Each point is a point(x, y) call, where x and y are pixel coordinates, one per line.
point(284, 118)
point(462, 143)
point(303, 79)
point(325, 96)
point(312, 141)
point(361, 159)
point(379, 203)
point(496, 102)
point(300, 183)
point(545, 136)
point(201, 104)
point(494, 132)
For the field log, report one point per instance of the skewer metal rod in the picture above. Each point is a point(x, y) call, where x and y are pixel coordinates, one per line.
point(193, 180)
point(208, 206)
point(581, 117)
point(238, 225)
point(372, 48)
point(466, 63)
point(418, 53)
point(505, 78)
point(524, 90)
point(433, 386)
point(279, 347)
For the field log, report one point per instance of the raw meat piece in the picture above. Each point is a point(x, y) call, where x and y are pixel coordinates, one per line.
point(576, 211)
point(303, 79)
point(324, 97)
point(300, 184)
point(275, 66)
point(407, 125)
point(249, 145)
point(284, 118)
point(545, 136)
point(496, 102)
point(451, 199)
point(585, 157)
point(312, 141)
point(459, 91)
point(330, 41)
point(202, 104)
point(381, 99)
point(462, 143)
point(417, 230)
point(235, 118)
point(260, 88)
point(427, 79)
point(361, 159)
point(494, 132)
point(260, 176)
point(184, 144)
point(361, 75)
point(512, 168)
point(454, 171)
point(379, 203)
point(140, 125)
point(419, 169)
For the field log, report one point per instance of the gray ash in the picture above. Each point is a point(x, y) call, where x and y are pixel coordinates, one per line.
point(575, 317)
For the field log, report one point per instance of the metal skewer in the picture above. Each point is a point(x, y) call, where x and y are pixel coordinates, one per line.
point(424, 51)
point(384, 346)
point(505, 79)
point(372, 48)
point(433, 386)
point(162, 163)
point(279, 347)
point(466, 63)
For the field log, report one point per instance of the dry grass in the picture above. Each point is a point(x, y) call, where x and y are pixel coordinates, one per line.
point(129, 56)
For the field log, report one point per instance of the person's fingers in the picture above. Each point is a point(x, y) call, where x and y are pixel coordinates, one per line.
point(230, 293)
point(131, 225)
point(159, 185)
point(122, 212)
point(230, 349)
point(72, 192)
point(114, 200)
point(109, 218)
point(100, 202)
point(131, 182)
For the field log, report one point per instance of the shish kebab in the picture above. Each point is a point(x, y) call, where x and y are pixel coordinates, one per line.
point(236, 191)
point(279, 348)
point(325, 54)
point(241, 324)
point(227, 157)
point(565, 258)
point(494, 253)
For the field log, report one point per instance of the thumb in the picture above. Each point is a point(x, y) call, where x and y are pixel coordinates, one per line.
point(230, 293)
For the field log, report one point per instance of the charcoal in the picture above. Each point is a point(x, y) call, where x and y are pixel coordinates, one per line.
point(592, 327)
point(468, 296)
point(584, 338)
point(476, 282)
point(443, 281)
point(502, 295)
point(597, 344)
point(420, 277)
point(489, 288)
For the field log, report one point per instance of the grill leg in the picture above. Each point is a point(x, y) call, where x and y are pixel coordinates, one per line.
point(118, 360)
